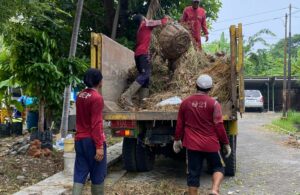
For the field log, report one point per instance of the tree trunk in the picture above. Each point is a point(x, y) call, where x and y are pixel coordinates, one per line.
point(67, 92)
point(116, 21)
point(49, 118)
point(109, 13)
point(123, 16)
point(41, 121)
point(154, 9)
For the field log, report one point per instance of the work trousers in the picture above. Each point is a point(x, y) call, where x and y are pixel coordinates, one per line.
point(85, 162)
point(144, 68)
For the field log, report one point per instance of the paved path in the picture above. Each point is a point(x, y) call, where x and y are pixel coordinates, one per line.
point(265, 164)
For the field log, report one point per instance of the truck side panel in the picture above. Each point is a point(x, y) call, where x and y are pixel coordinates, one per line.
point(115, 61)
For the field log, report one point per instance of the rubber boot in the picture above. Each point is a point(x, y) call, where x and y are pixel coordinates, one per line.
point(77, 188)
point(143, 93)
point(97, 189)
point(126, 97)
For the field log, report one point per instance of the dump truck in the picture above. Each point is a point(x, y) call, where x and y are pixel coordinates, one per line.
point(147, 134)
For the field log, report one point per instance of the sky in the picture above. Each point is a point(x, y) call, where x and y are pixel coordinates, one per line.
point(258, 10)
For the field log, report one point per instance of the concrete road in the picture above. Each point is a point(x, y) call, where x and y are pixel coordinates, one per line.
point(264, 164)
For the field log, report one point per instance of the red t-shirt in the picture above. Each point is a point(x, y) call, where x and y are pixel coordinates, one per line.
point(200, 124)
point(196, 20)
point(89, 121)
point(143, 36)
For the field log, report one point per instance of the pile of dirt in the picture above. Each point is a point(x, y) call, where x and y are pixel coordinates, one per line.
point(36, 150)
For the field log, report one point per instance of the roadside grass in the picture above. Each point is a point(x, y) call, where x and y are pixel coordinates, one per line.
point(288, 124)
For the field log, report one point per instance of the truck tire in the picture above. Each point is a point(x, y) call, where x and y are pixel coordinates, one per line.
point(230, 162)
point(145, 158)
point(128, 154)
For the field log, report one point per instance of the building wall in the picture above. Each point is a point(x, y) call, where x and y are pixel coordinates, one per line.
point(278, 97)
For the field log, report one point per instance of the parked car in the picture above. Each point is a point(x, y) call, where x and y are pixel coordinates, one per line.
point(254, 99)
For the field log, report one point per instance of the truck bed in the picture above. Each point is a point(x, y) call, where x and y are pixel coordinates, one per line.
point(145, 116)
point(115, 73)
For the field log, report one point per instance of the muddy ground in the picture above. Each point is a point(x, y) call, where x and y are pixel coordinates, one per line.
point(19, 171)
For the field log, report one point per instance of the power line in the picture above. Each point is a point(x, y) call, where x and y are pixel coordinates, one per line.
point(257, 22)
point(260, 13)
point(267, 20)
point(248, 36)
point(296, 12)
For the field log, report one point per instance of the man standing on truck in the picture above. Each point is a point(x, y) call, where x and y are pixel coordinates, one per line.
point(195, 17)
point(200, 125)
point(142, 59)
point(90, 143)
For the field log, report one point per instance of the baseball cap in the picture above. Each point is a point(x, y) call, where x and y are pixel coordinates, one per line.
point(204, 81)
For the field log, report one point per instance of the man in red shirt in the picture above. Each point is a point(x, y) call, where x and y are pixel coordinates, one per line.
point(195, 17)
point(200, 125)
point(143, 39)
point(90, 143)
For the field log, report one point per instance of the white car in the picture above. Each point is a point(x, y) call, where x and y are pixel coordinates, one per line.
point(254, 99)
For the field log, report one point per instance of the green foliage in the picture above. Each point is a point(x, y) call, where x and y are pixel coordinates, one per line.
point(278, 48)
point(261, 62)
point(37, 37)
point(173, 8)
point(289, 123)
point(6, 97)
point(269, 61)
point(219, 45)
point(7, 81)
point(256, 38)
point(75, 65)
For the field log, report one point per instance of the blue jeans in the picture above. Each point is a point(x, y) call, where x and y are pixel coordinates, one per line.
point(85, 162)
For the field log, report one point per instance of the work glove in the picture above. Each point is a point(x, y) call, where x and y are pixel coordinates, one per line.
point(177, 146)
point(227, 150)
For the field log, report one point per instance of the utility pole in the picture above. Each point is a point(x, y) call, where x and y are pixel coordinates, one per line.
point(289, 62)
point(284, 103)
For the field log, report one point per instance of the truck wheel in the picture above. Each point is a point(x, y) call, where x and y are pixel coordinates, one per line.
point(128, 154)
point(145, 158)
point(230, 162)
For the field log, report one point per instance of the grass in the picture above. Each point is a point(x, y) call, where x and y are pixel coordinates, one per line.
point(289, 122)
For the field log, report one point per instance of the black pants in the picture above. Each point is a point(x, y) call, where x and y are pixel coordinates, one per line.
point(195, 161)
point(144, 68)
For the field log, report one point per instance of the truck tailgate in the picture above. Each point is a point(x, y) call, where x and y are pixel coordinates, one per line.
point(140, 116)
